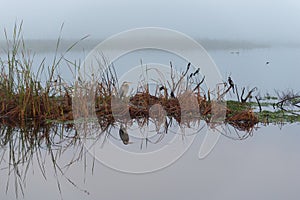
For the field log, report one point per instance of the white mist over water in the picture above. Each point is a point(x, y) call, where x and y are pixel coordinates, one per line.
point(266, 20)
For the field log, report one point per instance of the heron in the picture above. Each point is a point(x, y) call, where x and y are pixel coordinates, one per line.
point(124, 89)
point(124, 135)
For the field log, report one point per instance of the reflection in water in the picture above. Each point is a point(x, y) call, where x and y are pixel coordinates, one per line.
point(21, 143)
point(20, 146)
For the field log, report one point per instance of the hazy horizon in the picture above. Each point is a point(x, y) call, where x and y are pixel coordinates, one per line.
point(263, 21)
point(49, 45)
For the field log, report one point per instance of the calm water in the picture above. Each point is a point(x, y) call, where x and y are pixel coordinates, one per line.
point(264, 166)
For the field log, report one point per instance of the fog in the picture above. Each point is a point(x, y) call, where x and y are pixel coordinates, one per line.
point(265, 166)
point(268, 20)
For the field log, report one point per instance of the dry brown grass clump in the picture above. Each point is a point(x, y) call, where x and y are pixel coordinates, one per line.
point(25, 98)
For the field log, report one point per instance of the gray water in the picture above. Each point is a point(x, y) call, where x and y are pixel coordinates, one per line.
point(264, 166)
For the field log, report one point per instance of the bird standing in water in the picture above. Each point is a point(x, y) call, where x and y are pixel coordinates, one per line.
point(124, 135)
point(231, 83)
point(124, 89)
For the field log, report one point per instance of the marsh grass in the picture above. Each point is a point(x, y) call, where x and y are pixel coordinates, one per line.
point(37, 114)
point(33, 112)
point(24, 96)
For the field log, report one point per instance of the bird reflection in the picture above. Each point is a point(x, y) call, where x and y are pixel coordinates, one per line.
point(124, 135)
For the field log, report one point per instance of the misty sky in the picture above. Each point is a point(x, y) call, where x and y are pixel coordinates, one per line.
point(266, 20)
